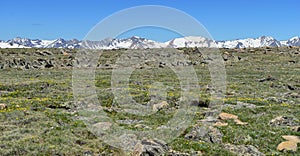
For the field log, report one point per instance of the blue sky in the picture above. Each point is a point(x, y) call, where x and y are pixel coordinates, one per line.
point(224, 19)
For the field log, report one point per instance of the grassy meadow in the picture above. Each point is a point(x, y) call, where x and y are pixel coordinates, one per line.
point(40, 117)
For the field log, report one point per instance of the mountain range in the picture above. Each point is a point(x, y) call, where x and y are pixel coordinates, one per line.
point(143, 43)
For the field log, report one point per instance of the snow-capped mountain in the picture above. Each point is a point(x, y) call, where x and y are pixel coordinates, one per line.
point(4, 44)
point(191, 41)
point(36, 43)
point(295, 41)
point(263, 41)
point(142, 43)
point(133, 42)
point(61, 43)
point(28, 43)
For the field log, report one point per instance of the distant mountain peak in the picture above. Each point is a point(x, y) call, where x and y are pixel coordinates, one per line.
point(136, 42)
point(135, 37)
point(295, 37)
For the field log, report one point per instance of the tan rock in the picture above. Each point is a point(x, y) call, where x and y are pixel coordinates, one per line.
point(220, 124)
point(227, 116)
point(287, 146)
point(239, 122)
point(226, 53)
point(65, 53)
point(142, 126)
point(159, 106)
point(292, 138)
point(3, 106)
point(138, 149)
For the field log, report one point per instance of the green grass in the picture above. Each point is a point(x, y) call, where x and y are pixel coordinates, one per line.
point(40, 117)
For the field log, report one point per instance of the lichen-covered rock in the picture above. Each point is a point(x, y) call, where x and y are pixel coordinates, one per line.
point(283, 121)
point(176, 153)
point(240, 105)
point(150, 148)
point(245, 150)
point(204, 133)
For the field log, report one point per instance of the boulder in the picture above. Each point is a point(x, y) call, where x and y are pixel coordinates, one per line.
point(150, 147)
point(287, 146)
point(283, 121)
point(208, 134)
point(245, 150)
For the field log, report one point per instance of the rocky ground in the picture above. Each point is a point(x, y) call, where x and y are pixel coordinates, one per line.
point(260, 114)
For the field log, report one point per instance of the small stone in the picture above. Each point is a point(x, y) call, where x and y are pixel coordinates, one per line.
point(220, 124)
point(227, 116)
point(247, 105)
point(176, 153)
point(128, 121)
point(287, 146)
point(275, 99)
point(226, 53)
point(142, 126)
point(159, 106)
point(3, 106)
point(239, 122)
point(292, 138)
point(209, 119)
point(65, 53)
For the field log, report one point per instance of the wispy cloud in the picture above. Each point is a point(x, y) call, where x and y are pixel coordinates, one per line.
point(37, 24)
